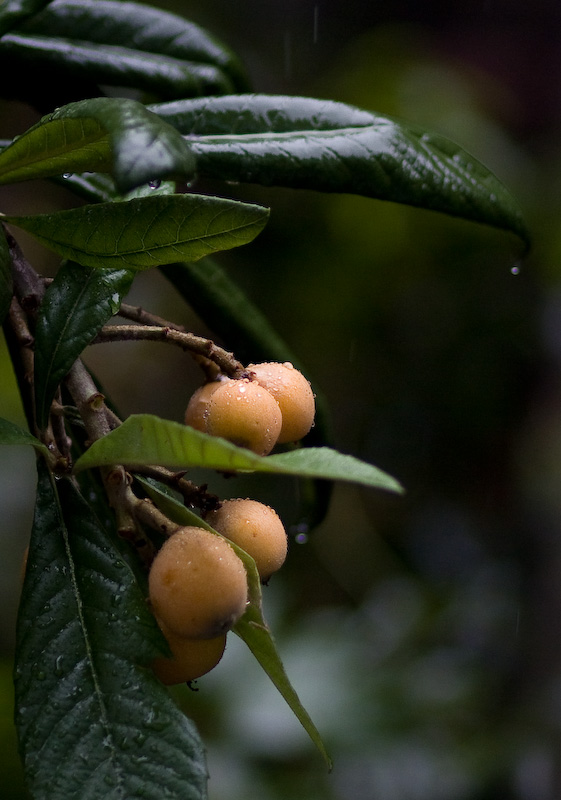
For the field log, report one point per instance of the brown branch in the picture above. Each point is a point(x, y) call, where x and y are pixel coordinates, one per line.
point(194, 496)
point(188, 342)
point(143, 317)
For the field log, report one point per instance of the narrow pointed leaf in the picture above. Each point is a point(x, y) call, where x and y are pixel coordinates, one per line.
point(146, 439)
point(146, 232)
point(252, 627)
point(92, 720)
point(76, 306)
point(104, 134)
point(12, 434)
point(138, 27)
point(164, 76)
point(305, 143)
point(14, 12)
point(6, 282)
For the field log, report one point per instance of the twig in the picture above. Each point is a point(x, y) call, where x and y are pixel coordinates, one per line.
point(188, 342)
point(194, 496)
point(143, 317)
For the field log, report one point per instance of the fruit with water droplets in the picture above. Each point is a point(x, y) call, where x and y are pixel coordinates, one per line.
point(293, 393)
point(256, 528)
point(244, 413)
point(197, 584)
point(191, 658)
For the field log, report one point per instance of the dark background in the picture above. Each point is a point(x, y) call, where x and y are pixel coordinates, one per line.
point(422, 633)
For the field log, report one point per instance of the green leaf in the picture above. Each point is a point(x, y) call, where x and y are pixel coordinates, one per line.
point(162, 76)
point(92, 720)
point(146, 439)
point(146, 232)
point(104, 134)
point(6, 282)
point(252, 627)
point(304, 143)
point(76, 305)
point(12, 434)
point(138, 27)
point(13, 12)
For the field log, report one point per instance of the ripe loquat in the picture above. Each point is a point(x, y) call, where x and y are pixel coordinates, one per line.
point(197, 584)
point(254, 527)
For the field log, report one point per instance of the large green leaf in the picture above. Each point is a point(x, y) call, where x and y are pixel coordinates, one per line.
point(252, 627)
point(146, 439)
point(162, 76)
point(6, 282)
point(92, 720)
point(76, 305)
point(137, 27)
point(13, 12)
point(146, 232)
point(306, 143)
point(102, 134)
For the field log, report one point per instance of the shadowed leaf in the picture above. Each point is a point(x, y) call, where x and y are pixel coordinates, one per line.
point(92, 720)
point(146, 439)
point(146, 232)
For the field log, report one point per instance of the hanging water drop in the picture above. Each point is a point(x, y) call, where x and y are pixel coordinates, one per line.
point(515, 269)
point(155, 184)
point(66, 175)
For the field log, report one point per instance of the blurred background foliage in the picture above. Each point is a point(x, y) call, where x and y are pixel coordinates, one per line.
point(423, 633)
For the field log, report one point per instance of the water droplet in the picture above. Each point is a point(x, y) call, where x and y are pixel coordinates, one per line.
point(515, 269)
point(66, 175)
point(301, 538)
point(155, 184)
point(155, 722)
point(59, 666)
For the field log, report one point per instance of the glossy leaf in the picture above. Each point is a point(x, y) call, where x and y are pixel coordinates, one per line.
point(162, 76)
point(12, 434)
point(14, 12)
point(102, 134)
point(146, 232)
point(76, 306)
point(252, 627)
point(92, 720)
point(304, 143)
point(137, 27)
point(6, 283)
point(146, 439)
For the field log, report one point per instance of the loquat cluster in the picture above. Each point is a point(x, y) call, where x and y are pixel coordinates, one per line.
point(273, 405)
point(197, 583)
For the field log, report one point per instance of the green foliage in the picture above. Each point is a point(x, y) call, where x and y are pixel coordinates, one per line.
point(104, 134)
point(145, 439)
point(76, 305)
point(92, 720)
point(147, 231)
point(87, 708)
